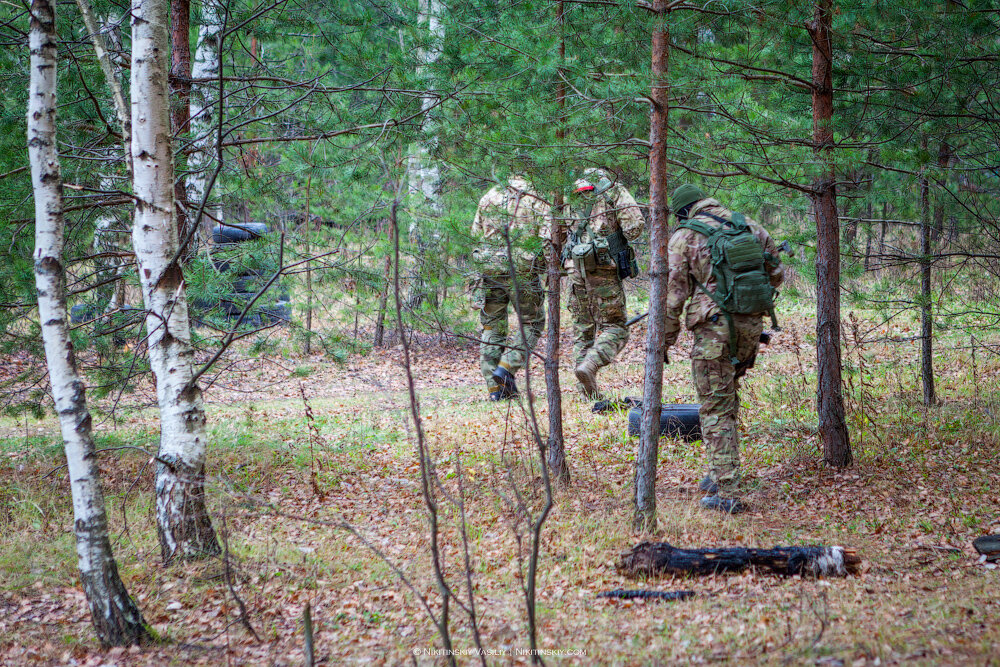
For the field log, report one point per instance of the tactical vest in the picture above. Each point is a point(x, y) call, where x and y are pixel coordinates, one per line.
point(587, 254)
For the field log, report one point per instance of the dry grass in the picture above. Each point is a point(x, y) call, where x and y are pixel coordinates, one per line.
point(925, 485)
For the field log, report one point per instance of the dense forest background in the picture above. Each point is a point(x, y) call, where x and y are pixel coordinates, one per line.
point(345, 109)
point(362, 134)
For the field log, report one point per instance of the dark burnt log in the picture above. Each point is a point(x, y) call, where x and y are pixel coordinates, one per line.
point(655, 558)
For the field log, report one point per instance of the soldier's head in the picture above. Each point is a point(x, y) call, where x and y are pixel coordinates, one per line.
point(582, 188)
point(684, 198)
point(594, 182)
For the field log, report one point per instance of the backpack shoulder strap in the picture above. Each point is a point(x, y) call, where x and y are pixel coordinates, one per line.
point(583, 223)
point(737, 222)
point(698, 226)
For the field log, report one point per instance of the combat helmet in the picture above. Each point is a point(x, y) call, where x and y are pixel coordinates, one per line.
point(684, 195)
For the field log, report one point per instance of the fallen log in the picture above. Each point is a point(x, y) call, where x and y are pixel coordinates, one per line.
point(655, 558)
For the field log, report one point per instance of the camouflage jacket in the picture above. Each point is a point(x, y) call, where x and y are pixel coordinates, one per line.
point(689, 257)
point(518, 209)
point(615, 208)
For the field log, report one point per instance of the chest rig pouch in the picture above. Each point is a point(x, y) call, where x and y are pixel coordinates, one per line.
point(587, 250)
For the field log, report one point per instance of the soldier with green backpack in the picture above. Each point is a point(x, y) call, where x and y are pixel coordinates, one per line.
point(728, 267)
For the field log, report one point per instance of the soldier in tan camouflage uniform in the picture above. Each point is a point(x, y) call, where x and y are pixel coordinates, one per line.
point(526, 219)
point(716, 377)
point(596, 299)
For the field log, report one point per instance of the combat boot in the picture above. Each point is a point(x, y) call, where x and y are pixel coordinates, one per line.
point(586, 374)
point(708, 486)
point(727, 505)
point(505, 382)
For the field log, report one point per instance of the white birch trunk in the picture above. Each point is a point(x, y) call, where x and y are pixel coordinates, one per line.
point(105, 235)
point(115, 616)
point(424, 174)
point(106, 240)
point(110, 76)
point(204, 113)
point(185, 530)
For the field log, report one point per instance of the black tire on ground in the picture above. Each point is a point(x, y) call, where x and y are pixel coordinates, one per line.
point(238, 232)
point(677, 420)
point(989, 546)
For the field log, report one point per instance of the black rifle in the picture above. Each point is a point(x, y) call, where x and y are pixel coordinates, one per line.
point(623, 255)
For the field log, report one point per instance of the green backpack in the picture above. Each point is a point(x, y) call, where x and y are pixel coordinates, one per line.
point(743, 286)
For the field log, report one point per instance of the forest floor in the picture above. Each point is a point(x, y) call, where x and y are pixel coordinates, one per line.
point(315, 490)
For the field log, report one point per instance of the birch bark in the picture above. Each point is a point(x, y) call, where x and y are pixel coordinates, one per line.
point(424, 174)
point(180, 111)
point(106, 243)
point(184, 527)
point(106, 239)
point(117, 620)
point(204, 120)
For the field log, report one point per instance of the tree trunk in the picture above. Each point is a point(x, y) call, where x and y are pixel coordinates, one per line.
point(944, 161)
point(652, 389)
point(117, 620)
point(926, 316)
point(424, 177)
point(180, 109)
point(383, 299)
point(655, 558)
point(851, 232)
point(869, 238)
point(182, 520)
point(107, 246)
point(553, 392)
point(309, 273)
point(204, 156)
point(106, 239)
point(110, 77)
point(830, 400)
point(881, 236)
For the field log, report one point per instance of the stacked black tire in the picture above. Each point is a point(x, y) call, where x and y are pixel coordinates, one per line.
point(274, 306)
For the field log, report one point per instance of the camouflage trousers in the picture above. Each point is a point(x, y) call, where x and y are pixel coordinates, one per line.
point(717, 380)
point(495, 294)
point(597, 303)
